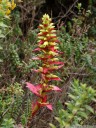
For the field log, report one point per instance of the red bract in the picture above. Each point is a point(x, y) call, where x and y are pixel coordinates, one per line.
point(48, 48)
point(34, 89)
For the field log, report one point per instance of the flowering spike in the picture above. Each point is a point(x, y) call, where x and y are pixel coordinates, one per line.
point(47, 46)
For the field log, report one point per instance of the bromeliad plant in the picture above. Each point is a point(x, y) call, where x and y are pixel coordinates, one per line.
point(48, 48)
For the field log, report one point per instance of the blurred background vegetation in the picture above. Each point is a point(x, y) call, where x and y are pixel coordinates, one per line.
point(75, 22)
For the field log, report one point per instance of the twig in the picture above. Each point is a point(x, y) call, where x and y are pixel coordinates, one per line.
point(67, 11)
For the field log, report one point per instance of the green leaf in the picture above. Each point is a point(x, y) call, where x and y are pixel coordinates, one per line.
point(2, 36)
point(83, 114)
point(51, 125)
point(59, 120)
point(72, 96)
point(3, 25)
point(74, 111)
point(89, 108)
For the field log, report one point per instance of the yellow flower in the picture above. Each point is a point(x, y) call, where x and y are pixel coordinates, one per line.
point(8, 4)
point(8, 11)
point(13, 5)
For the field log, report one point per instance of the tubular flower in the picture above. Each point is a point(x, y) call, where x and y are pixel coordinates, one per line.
point(7, 6)
point(13, 5)
point(48, 48)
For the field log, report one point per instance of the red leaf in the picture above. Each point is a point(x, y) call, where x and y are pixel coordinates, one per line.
point(57, 41)
point(52, 48)
point(49, 106)
point(55, 88)
point(41, 42)
point(59, 52)
point(60, 66)
point(46, 57)
point(55, 62)
point(35, 108)
point(45, 70)
point(33, 88)
point(54, 78)
point(57, 79)
point(44, 99)
point(37, 49)
point(45, 25)
point(44, 33)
